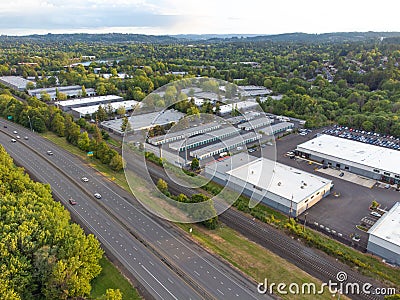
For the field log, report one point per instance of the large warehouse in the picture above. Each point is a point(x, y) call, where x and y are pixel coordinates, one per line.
point(70, 91)
point(282, 187)
point(384, 236)
point(15, 82)
point(364, 159)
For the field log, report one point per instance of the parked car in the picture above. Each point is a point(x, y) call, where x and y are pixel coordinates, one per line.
point(341, 174)
point(375, 214)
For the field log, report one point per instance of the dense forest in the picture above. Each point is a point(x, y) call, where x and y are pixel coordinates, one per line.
point(353, 80)
point(43, 254)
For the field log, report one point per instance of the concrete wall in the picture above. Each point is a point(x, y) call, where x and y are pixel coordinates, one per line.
point(390, 256)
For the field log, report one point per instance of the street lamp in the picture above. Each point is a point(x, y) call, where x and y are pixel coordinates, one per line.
point(30, 123)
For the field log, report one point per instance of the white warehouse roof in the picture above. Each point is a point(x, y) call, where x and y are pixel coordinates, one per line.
point(88, 100)
point(242, 105)
point(128, 105)
point(286, 182)
point(387, 227)
point(375, 157)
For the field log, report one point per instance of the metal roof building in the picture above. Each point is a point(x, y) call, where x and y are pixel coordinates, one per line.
point(276, 128)
point(181, 134)
point(226, 145)
point(282, 187)
point(241, 106)
point(384, 236)
point(360, 158)
point(70, 91)
point(203, 139)
point(256, 123)
point(87, 101)
point(15, 82)
point(80, 112)
point(144, 121)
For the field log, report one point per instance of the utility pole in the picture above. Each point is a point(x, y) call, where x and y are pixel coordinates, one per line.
point(291, 208)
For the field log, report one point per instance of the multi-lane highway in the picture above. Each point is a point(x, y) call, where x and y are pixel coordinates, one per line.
point(164, 261)
point(311, 260)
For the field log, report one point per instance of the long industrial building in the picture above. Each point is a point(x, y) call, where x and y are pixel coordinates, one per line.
point(371, 161)
point(226, 145)
point(71, 91)
point(240, 106)
point(276, 128)
point(15, 82)
point(81, 112)
point(256, 123)
point(146, 121)
point(182, 134)
point(384, 236)
point(204, 139)
point(281, 187)
point(88, 101)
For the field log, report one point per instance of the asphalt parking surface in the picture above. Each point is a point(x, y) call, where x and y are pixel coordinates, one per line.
point(342, 213)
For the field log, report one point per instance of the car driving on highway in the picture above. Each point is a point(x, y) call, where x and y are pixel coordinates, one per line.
point(97, 195)
point(85, 179)
point(72, 201)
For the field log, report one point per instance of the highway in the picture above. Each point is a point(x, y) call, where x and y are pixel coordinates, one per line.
point(311, 260)
point(164, 261)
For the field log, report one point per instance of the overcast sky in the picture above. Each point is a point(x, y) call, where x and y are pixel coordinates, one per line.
point(19, 17)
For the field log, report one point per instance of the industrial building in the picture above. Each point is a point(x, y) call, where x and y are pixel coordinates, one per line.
point(87, 101)
point(240, 106)
point(146, 121)
point(71, 91)
point(250, 115)
point(81, 112)
point(204, 139)
point(182, 134)
point(384, 236)
point(368, 160)
point(254, 91)
point(15, 82)
point(276, 128)
point(289, 190)
point(256, 123)
point(226, 145)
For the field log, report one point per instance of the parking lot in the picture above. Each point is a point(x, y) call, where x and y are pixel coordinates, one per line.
point(372, 138)
point(340, 213)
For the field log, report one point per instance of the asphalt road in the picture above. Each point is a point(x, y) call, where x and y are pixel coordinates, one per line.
point(311, 260)
point(142, 242)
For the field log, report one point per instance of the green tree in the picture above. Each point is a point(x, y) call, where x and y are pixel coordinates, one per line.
point(84, 94)
point(162, 186)
point(121, 110)
point(117, 163)
point(195, 164)
point(126, 125)
point(84, 141)
point(45, 97)
point(112, 294)
point(101, 113)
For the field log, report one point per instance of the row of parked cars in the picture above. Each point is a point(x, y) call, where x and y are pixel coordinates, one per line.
point(372, 138)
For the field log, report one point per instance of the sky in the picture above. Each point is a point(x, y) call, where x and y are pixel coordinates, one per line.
point(159, 17)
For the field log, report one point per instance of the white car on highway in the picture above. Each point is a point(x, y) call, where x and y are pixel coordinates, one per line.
point(97, 195)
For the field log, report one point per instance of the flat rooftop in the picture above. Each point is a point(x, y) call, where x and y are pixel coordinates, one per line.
point(388, 226)
point(128, 105)
point(220, 146)
point(279, 179)
point(368, 155)
point(227, 131)
point(270, 130)
point(239, 105)
point(256, 123)
point(20, 82)
point(88, 100)
point(191, 131)
point(143, 121)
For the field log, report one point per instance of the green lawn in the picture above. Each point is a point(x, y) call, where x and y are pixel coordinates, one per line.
point(111, 278)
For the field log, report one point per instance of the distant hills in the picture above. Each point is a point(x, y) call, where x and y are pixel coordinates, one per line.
point(334, 37)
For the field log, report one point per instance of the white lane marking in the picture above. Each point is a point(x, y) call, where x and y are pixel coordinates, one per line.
point(144, 268)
